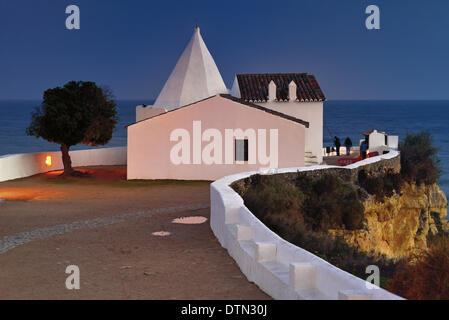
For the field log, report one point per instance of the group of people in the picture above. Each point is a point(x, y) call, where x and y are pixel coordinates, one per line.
point(348, 145)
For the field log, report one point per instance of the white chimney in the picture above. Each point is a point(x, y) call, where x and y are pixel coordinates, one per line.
point(292, 91)
point(271, 91)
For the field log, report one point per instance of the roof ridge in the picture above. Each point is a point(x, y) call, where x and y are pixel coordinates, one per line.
point(234, 99)
point(271, 111)
point(187, 66)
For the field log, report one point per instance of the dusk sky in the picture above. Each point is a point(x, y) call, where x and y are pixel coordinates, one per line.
point(132, 46)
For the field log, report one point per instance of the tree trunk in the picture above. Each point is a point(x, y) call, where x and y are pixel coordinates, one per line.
point(68, 170)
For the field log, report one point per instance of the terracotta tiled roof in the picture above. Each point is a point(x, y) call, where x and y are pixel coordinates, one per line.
point(371, 131)
point(254, 87)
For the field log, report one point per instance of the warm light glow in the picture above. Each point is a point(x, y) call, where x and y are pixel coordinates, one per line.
point(48, 161)
point(28, 193)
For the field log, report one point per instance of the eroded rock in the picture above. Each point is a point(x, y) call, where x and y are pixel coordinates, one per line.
point(402, 224)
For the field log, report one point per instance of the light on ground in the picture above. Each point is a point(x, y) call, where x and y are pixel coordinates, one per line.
point(161, 233)
point(190, 220)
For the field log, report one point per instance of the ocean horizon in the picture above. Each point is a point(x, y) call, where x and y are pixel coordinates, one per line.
point(342, 118)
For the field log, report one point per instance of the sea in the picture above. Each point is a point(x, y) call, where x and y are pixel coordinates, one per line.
point(341, 118)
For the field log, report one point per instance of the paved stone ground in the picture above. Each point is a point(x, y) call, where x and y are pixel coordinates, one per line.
point(10, 242)
point(104, 225)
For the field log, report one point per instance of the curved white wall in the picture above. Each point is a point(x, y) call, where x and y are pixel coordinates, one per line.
point(24, 165)
point(281, 269)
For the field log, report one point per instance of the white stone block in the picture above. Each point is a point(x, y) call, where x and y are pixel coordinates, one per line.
point(232, 215)
point(393, 142)
point(302, 276)
point(266, 251)
point(244, 233)
point(353, 295)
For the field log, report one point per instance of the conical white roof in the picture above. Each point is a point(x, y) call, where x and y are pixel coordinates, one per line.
point(195, 77)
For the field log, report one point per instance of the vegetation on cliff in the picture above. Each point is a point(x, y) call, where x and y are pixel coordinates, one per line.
point(382, 185)
point(419, 161)
point(304, 210)
point(319, 204)
point(427, 276)
point(385, 217)
point(419, 165)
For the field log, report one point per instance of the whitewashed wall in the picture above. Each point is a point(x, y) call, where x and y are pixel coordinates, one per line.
point(311, 112)
point(24, 165)
point(279, 268)
point(377, 141)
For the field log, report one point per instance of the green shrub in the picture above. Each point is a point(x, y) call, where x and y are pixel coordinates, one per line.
point(272, 195)
point(381, 186)
point(419, 162)
point(322, 204)
point(330, 203)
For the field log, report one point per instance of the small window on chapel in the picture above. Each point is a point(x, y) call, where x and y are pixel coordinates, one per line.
point(241, 150)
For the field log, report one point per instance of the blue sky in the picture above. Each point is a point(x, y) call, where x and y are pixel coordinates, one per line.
point(132, 46)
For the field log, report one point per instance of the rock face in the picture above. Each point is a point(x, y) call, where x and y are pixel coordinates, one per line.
point(400, 226)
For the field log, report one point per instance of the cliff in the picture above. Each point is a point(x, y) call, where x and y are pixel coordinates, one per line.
point(400, 225)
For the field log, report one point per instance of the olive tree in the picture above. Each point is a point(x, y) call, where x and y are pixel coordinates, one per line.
point(78, 113)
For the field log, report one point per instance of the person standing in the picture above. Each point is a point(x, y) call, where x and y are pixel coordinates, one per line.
point(337, 145)
point(363, 149)
point(348, 145)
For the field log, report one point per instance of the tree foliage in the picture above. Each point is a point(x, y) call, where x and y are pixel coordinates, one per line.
point(78, 113)
point(419, 162)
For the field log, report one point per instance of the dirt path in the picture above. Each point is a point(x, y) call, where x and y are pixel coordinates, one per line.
point(117, 260)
